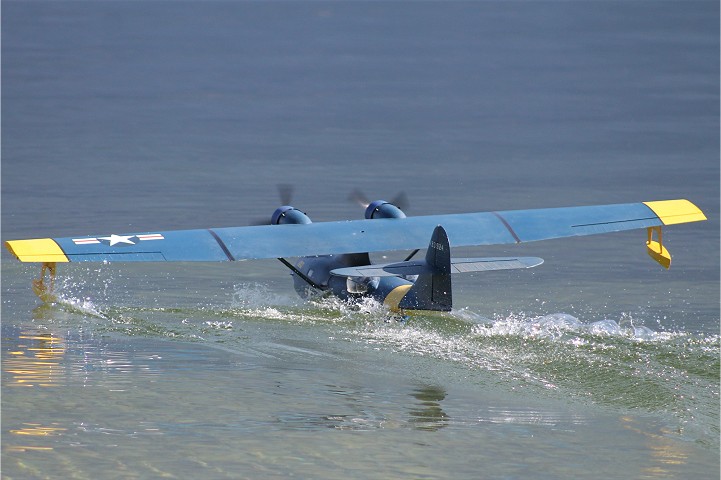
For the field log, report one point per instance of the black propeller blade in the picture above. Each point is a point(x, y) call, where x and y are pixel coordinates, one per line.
point(401, 201)
point(285, 193)
point(357, 196)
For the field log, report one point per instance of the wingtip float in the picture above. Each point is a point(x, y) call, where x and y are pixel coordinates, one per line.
point(328, 258)
point(670, 212)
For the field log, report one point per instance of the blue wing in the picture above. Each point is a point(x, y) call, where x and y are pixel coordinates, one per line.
point(275, 241)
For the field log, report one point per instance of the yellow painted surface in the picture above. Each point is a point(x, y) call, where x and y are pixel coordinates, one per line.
point(659, 253)
point(395, 296)
point(36, 250)
point(676, 211)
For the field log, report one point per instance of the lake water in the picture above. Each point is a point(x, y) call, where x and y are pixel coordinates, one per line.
point(139, 116)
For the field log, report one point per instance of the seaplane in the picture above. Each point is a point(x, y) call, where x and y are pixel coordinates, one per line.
point(333, 258)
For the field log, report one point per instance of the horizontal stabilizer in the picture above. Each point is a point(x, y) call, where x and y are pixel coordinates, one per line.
point(465, 265)
point(458, 265)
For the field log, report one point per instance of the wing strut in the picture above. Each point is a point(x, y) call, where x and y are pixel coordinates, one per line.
point(412, 254)
point(301, 275)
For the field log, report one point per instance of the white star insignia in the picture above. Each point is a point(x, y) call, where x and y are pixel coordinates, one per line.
point(115, 239)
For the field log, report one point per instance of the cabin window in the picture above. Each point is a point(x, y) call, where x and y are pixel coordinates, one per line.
point(360, 285)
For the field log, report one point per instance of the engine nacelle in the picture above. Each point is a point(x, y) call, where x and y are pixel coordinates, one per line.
point(286, 215)
point(383, 209)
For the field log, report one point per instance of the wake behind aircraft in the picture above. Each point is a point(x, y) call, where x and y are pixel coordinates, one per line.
point(333, 257)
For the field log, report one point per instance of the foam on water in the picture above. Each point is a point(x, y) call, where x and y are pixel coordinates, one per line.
point(612, 363)
point(607, 363)
point(561, 325)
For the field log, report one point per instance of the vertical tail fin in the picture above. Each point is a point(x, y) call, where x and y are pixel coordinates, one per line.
point(432, 291)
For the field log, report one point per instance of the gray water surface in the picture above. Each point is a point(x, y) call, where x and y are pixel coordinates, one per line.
point(138, 116)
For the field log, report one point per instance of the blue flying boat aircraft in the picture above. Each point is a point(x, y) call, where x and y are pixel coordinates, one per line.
point(334, 257)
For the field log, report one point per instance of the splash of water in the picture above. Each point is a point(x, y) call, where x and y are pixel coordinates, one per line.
point(561, 326)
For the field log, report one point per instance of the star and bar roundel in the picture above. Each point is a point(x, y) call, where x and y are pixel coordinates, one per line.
point(118, 240)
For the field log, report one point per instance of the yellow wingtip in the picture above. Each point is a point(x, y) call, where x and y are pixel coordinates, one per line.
point(676, 211)
point(42, 250)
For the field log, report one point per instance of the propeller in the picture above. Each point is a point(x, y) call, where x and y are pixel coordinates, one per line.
point(357, 196)
point(285, 193)
point(401, 201)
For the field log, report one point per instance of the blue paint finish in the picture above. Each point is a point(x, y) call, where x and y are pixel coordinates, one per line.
point(385, 286)
point(409, 233)
point(544, 224)
point(193, 245)
point(178, 246)
point(361, 235)
point(118, 257)
point(275, 241)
